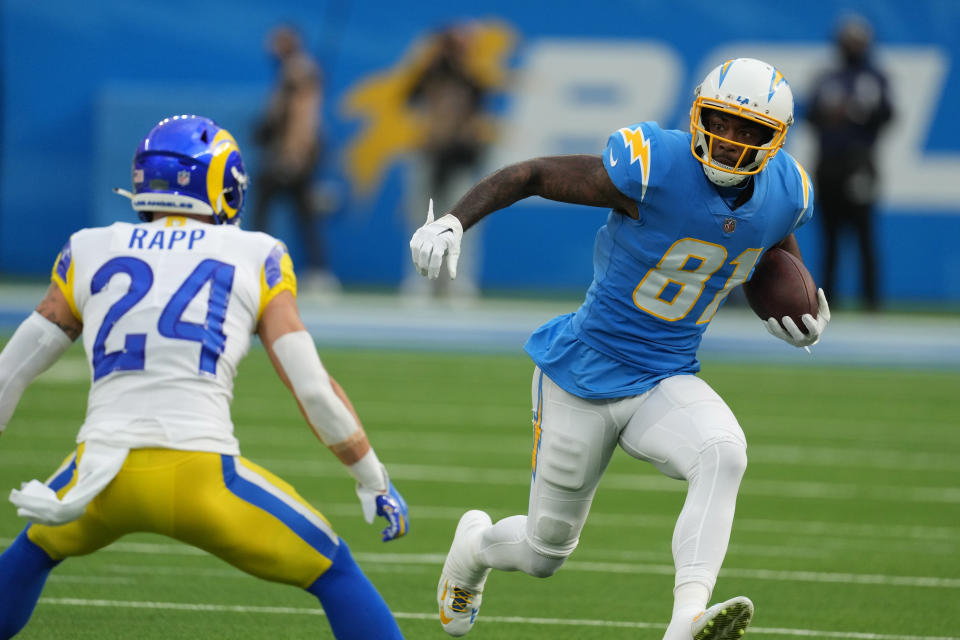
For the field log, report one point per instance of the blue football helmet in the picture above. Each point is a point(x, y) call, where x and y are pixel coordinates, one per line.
point(189, 164)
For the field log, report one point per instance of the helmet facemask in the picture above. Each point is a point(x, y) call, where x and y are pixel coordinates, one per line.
point(753, 158)
point(750, 90)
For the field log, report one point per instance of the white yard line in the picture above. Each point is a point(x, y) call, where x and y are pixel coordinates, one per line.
point(839, 532)
point(633, 482)
point(668, 570)
point(782, 455)
point(88, 579)
point(565, 622)
point(436, 559)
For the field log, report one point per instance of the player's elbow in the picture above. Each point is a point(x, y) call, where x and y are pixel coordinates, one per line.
point(519, 180)
point(535, 177)
point(328, 416)
point(316, 398)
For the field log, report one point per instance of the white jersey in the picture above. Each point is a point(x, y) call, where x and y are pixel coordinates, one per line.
point(168, 310)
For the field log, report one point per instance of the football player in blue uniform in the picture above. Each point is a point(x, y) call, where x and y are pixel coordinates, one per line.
point(166, 310)
point(691, 213)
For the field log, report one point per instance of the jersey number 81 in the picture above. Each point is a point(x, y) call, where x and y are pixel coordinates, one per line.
point(671, 289)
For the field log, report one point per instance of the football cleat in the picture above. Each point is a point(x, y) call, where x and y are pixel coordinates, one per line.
point(461, 582)
point(725, 621)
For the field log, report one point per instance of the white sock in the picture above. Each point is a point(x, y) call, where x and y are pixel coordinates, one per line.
point(689, 599)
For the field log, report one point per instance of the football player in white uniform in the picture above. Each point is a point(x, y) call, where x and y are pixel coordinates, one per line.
point(166, 309)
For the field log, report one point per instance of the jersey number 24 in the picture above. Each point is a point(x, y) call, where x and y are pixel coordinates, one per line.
point(171, 323)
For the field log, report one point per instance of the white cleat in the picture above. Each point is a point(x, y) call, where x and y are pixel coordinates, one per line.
point(461, 583)
point(725, 621)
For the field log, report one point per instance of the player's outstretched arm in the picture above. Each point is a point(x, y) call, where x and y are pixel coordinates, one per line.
point(328, 411)
point(38, 342)
point(575, 179)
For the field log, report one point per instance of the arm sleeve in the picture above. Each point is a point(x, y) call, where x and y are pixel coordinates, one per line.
point(36, 344)
point(328, 416)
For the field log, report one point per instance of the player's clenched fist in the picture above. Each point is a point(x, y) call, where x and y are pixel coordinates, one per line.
point(435, 239)
point(388, 504)
point(792, 334)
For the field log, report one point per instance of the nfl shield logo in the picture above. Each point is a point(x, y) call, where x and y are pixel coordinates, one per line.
point(729, 224)
point(183, 178)
point(138, 175)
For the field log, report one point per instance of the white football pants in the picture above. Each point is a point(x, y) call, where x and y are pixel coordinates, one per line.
point(681, 426)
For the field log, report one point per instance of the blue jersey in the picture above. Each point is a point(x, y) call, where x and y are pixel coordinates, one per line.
point(659, 280)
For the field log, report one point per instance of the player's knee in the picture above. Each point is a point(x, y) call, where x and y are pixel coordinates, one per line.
point(542, 566)
point(343, 567)
point(550, 547)
point(728, 457)
point(354, 608)
point(24, 568)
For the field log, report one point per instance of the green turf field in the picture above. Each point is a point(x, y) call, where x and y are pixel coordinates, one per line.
point(848, 524)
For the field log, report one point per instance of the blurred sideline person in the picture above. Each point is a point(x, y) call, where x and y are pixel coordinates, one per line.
point(684, 229)
point(291, 139)
point(166, 309)
point(849, 108)
point(450, 100)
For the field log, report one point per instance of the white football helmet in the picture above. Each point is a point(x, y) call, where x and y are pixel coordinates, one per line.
point(749, 89)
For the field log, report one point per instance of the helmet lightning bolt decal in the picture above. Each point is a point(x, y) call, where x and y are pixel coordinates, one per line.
point(639, 151)
point(775, 81)
point(723, 71)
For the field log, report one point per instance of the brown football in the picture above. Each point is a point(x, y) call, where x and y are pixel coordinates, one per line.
point(781, 286)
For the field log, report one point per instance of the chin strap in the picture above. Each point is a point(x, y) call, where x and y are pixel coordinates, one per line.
point(723, 178)
point(142, 215)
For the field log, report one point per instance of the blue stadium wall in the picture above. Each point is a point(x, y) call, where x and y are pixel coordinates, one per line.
point(81, 84)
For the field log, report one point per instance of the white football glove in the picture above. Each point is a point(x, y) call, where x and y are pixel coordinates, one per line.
point(435, 239)
point(792, 334)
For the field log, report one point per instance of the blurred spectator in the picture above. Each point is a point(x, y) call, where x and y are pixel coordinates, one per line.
point(850, 106)
point(450, 99)
point(290, 136)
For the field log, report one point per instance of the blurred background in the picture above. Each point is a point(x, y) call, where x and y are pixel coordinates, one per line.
point(350, 116)
point(81, 85)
